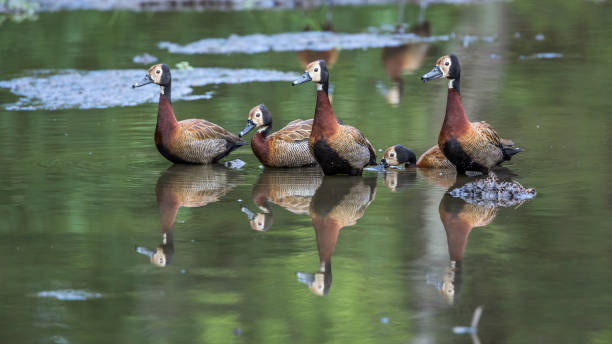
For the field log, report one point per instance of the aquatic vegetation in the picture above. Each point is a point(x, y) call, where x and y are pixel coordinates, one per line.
point(310, 40)
point(184, 65)
point(490, 192)
point(541, 56)
point(64, 89)
point(144, 59)
point(69, 295)
point(18, 10)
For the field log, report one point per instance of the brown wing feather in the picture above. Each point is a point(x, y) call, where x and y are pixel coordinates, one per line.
point(200, 141)
point(201, 129)
point(434, 158)
point(353, 140)
point(297, 130)
point(484, 129)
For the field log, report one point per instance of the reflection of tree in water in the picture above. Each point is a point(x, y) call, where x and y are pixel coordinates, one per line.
point(291, 189)
point(185, 186)
point(338, 202)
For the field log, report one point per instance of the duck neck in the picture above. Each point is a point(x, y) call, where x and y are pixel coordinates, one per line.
point(455, 83)
point(165, 115)
point(323, 87)
point(455, 120)
point(265, 131)
point(325, 121)
point(260, 147)
point(166, 90)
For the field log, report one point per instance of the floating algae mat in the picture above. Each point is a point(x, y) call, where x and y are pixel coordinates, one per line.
point(64, 89)
point(491, 192)
point(309, 40)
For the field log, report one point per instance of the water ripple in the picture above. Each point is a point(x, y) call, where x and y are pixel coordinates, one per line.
point(64, 89)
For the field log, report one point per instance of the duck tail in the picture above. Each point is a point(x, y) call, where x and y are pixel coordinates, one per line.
point(509, 152)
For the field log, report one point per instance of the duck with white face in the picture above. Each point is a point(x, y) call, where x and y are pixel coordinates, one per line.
point(446, 67)
point(338, 148)
point(190, 141)
point(287, 147)
point(468, 146)
point(397, 155)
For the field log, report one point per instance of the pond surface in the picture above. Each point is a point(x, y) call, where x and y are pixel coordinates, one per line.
point(104, 241)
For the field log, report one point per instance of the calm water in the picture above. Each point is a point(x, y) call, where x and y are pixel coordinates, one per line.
point(90, 210)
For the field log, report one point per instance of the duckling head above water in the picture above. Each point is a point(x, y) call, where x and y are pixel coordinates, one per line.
point(158, 74)
point(397, 155)
point(259, 117)
point(316, 71)
point(446, 67)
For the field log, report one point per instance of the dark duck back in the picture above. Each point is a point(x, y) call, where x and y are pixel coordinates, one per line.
point(468, 146)
point(338, 148)
point(192, 141)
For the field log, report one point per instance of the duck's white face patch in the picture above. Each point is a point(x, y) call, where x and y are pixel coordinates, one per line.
point(444, 63)
point(159, 258)
point(258, 223)
point(391, 156)
point(391, 179)
point(257, 117)
point(318, 285)
point(314, 70)
point(156, 72)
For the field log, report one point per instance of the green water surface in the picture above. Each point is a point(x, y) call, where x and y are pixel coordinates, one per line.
point(81, 189)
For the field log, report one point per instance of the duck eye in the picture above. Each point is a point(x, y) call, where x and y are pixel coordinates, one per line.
point(316, 69)
point(257, 114)
point(392, 155)
point(446, 63)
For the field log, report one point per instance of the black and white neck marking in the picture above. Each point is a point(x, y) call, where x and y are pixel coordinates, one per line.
point(323, 87)
point(265, 130)
point(165, 90)
point(454, 83)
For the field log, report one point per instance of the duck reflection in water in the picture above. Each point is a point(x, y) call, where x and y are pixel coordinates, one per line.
point(399, 179)
point(339, 202)
point(185, 186)
point(458, 218)
point(291, 189)
point(402, 60)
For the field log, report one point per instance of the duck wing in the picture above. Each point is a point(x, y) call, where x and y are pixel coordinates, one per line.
point(361, 140)
point(297, 130)
point(491, 137)
point(484, 129)
point(200, 129)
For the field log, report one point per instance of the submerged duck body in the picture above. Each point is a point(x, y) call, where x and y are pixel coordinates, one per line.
point(191, 141)
point(468, 146)
point(338, 148)
point(287, 147)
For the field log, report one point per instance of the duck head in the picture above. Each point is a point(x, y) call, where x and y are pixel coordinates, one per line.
point(158, 74)
point(316, 71)
point(397, 155)
point(260, 222)
point(446, 67)
point(259, 117)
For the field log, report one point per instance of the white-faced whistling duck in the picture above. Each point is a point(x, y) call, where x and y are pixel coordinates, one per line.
point(397, 155)
point(469, 146)
point(191, 141)
point(338, 148)
point(287, 147)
